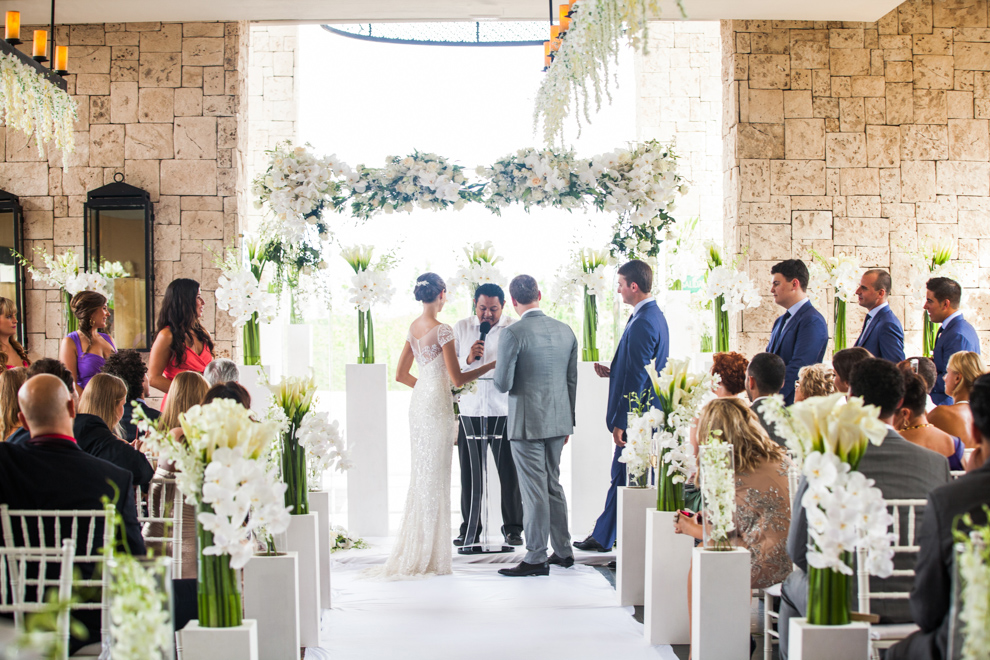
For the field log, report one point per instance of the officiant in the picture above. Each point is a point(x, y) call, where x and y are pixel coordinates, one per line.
point(484, 414)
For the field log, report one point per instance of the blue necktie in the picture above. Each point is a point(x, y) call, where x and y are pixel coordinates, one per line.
point(779, 332)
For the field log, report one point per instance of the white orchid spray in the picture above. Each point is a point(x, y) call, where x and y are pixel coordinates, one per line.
point(423, 180)
point(532, 177)
point(240, 294)
point(589, 273)
point(370, 285)
point(933, 260)
point(480, 268)
point(972, 550)
point(33, 105)
point(323, 441)
point(345, 540)
point(729, 290)
point(140, 620)
point(718, 491)
point(639, 452)
point(841, 274)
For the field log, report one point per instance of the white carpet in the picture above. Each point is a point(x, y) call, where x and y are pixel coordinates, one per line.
point(477, 613)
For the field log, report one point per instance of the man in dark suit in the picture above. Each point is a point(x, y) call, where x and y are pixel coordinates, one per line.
point(800, 334)
point(900, 469)
point(645, 340)
point(843, 363)
point(882, 334)
point(942, 299)
point(931, 595)
point(765, 377)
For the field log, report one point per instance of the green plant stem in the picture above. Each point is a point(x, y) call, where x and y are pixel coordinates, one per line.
point(252, 341)
point(71, 322)
point(706, 344)
point(218, 590)
point(929, 336)
point(840, 325)
point(828, 596)
point(370, 357)
point(589, 352)
point(721, 326)
point(362, 348)
point(670, 496)
point(294, 473)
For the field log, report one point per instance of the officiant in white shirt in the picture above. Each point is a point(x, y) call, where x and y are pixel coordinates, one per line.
point(485, 413)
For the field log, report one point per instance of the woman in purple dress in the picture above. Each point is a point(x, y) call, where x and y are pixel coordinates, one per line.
point(85, 350)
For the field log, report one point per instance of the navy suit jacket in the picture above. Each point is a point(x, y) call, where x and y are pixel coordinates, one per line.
point(884, 337)
point(645, 340)
point(957, 335)
point(803, 342)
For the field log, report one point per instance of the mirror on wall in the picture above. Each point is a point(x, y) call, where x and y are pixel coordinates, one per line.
point(11, 271)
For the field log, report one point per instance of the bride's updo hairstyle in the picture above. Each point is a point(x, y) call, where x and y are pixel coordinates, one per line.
point(428, 287)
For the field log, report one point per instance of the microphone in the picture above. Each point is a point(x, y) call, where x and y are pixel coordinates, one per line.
point(485, 329)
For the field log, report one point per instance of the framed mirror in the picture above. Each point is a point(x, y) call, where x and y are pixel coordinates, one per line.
point(11, 271)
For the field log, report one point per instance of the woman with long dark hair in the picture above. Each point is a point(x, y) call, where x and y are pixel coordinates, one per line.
point(12, 354)
point(84, 351)
point(182, 343)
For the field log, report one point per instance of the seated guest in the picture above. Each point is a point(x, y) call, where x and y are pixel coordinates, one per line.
point(229, 390)
point(765, 377)
point(882, 334)
point(912, 423)
point(842, 364)
point(130, 368)
point(954, 417)
point(57, 369)
point(731, 370)
point(942, 299)
point(10, 382)
point(925, 368)
point(221, 370)
point(931, 595)
point(51, 472)
point(900, 469)
point(84, 351)
point(100, 410)
point(814, 380)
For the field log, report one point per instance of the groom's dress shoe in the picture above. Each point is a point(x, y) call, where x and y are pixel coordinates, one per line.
point(563, 562)
point(589, 545)
point(459, 541)
point(513, 538)
point(524, 569)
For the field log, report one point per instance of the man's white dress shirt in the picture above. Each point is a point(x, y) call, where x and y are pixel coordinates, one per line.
point(488, 401)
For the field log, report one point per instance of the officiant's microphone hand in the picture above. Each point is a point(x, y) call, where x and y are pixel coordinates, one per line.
point(477, 351)
point(602, 370)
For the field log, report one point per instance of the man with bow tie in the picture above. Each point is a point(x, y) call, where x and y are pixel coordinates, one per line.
point(882, 334)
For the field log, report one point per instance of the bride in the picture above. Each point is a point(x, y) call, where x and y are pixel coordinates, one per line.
point(423, 545)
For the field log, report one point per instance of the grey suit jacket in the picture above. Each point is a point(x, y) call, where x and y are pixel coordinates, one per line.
point(902, 471)
point(769, 428)
point(537, 366)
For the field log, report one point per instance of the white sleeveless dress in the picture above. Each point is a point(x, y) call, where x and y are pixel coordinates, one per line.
point(423, 545)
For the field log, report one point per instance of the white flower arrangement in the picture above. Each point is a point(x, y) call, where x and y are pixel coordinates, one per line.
point(471, 387)
point(140, 621)
point(423, 180)
point(324, 443)
point(639, 451)
point(718, 490)
point(240, 295)
point(480, 268)
point(737, 290)
point(532, 177)
point(344, 540)
point(31, 104)
point(841, 274)
point(64, 274)
point(370, 287)
point(589, 268)
point(933, 260)
point(973, 562)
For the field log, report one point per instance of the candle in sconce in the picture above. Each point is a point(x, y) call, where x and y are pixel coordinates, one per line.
point(547, 60)
point(554, 37)
point(565, 22)
point(40, 44)
point(546, 49)
point(12, 30)
point(61, 58)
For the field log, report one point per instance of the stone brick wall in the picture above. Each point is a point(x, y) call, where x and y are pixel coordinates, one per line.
point(866, 139)
point(159, 103)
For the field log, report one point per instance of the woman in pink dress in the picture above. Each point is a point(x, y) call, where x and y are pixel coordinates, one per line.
point(182, 343)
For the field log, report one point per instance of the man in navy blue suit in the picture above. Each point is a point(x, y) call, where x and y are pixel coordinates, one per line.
point(800, 334)
point(645, 340)
point(882, 334)
point(942, 300)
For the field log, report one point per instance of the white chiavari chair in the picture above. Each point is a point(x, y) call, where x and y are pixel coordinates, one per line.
point(165, 513)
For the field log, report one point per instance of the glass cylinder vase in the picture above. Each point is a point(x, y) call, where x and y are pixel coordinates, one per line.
point(928, 338)
point(589, 351)
point(829, 594)
point(670, 495)
point(718, 495)
point(840, 324)
point(294, 473)
point(218, 587)
point(366, 338)
point(721, 326)
point(71, 323)
point(252, 341)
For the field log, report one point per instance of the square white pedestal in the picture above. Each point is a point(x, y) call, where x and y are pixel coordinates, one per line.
point(301, 538)
point(591, 450)
point(237, 643)
point(630, 574)
point(253, 379)
point(809, 642)
point(271, 597)
point(668, 562)
point(319, 503)
point(720, 604)
point(367, 434)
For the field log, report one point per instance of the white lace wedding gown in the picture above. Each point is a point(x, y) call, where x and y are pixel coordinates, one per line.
point(423, 545)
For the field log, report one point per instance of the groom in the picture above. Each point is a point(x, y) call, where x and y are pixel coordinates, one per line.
point(537, 366)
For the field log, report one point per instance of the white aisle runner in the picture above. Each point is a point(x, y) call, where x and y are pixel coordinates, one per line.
point(477, 614)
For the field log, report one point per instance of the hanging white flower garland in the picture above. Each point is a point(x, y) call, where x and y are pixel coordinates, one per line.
point(32, 104)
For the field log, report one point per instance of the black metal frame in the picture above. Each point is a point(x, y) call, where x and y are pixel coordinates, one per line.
point(10, 203)
point(118, 196)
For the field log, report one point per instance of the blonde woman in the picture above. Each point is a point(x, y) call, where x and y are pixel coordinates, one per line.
point(100, 410)
point(955, 419)
point(187, 390)
point(10, 381)
point(814, 380)
point(12, 354)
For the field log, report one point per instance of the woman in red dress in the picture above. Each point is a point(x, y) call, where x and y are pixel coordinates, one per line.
point(12, 354)
point(182, 343)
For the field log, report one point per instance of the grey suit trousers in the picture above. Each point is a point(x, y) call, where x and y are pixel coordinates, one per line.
point(544, 504)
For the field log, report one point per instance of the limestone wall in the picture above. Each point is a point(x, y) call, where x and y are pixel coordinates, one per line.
point(864, 139)
point(160, 103)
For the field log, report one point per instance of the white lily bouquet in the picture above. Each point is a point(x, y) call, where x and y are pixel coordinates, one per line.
point(972, 554)
point(590, 274)
point(681, 395)
point(470, 387)
point(842, 275)
point(640, 185)
point(323, 441)
point(423, 180)
point(829, 436)
point(933, 260)
point(221, 471)
point(240, 294)
point(532, 177)
point(292, 402)
point(480, 268)
point(639, 453)
point(369, 285)
point(730, 291)
point(718, 491)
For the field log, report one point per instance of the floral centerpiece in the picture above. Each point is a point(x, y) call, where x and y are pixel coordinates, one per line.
point(842, 274)
point(221, 471)
point(972, 551)
point(639, 452)
point(240, 294)
point(323, 441)
point(829, 436)
point(589, 274)
point(293, 399)
point(934, 260)
point(480, 268)
point(369, 286)
point(730, 291)
point(681, 395)
point(344, 540)
point(423, 180)
point(532, 177)
point(471, 387)
point(31, 104)
point(718, 491)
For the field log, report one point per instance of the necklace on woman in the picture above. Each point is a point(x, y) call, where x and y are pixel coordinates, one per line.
point(956, 403)
point(916, 426)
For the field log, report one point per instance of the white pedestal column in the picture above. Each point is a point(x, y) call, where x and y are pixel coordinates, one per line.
point(253, 378)
point(319, 503)
point(367, 433)
point(301, 538)
point(271, 597)
point(631, 543)
point(720, 604)
point(808, 642)
point(591, 451)
point(668, 562)
point(237, 643)
point(297, 356)
point(676, 308)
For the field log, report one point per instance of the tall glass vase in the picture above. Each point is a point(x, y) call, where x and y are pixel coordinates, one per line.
point(217, 584)
point(840, 324)
point(829, 595)
point(930, 330)
point(721, 326)
point(294, 473)
point(718, 495)
point(252, 341)
point(366, 338)
point(589, 352)
point(71, 323)
point(670, 496)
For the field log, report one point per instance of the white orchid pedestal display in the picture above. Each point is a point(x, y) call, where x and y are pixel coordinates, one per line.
point(730, 291)
point(589, 275)
point(845, 512)
point(842, 274)
point(969, 629)
point(369, 285)
point(480, 269)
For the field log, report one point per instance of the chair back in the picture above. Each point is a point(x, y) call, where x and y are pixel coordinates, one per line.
point(957, 473)
point(906, 533)
point(162, 526)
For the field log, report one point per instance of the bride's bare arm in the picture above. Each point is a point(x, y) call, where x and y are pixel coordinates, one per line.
point(402, 374)
point(458, 377)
